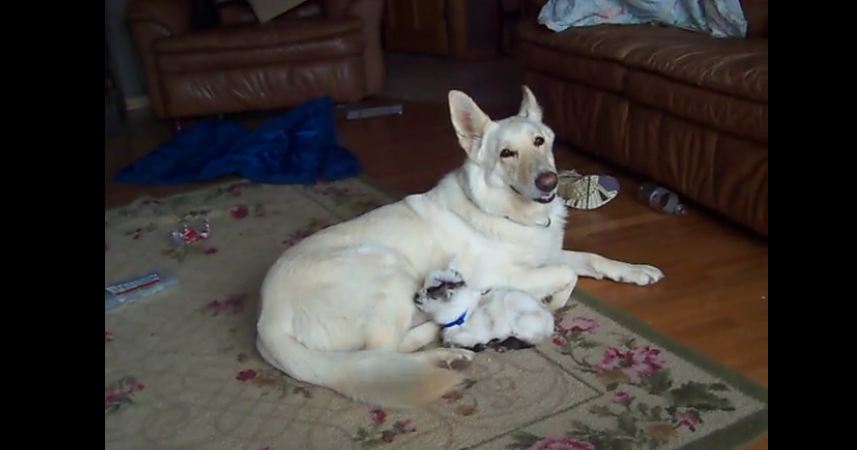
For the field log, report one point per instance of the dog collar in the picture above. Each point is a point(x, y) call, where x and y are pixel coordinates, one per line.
point(456, 322)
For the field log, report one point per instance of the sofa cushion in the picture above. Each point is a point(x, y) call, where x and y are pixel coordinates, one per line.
point(737, 67)
point(721, 83)
point(261, 45)
point(270, 34)
point(731, 66)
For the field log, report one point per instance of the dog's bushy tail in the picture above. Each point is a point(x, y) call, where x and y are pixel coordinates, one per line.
point(377, 377)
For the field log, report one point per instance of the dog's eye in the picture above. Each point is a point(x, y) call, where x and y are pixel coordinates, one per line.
point(506, 153)
point(539, 141)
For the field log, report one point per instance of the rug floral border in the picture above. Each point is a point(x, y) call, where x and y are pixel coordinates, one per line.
point(742, 432)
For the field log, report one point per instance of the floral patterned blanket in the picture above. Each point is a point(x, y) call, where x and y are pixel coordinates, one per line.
point(718, 18)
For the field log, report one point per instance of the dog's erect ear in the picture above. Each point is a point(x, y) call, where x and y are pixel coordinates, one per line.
point(529, 106)
point(469, 121)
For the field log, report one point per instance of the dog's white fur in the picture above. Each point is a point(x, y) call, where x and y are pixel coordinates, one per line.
point(485, 315)
point(337, 308)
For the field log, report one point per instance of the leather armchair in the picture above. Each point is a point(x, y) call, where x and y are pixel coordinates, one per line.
point(327, 47)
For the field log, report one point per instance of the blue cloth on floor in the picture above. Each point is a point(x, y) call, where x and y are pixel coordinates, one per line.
point(298, 147)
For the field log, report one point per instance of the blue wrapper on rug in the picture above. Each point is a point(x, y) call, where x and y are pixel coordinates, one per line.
point(298, 147)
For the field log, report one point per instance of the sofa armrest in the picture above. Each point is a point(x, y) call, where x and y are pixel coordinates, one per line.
point(150, 21)
point(371, 12)
point(336, 8)
point(172, 16)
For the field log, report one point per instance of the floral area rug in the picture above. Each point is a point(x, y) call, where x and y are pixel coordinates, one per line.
point(181, 370)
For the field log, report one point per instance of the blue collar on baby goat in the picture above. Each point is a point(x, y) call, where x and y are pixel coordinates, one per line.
point(456, 322)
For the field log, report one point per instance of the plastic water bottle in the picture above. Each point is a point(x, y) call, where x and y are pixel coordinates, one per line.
point(661, 199)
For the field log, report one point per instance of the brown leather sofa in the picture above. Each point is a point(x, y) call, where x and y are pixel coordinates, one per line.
point(323, 47)
point(684, 109)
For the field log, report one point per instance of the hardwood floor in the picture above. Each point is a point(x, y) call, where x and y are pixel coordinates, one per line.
point(714, 297)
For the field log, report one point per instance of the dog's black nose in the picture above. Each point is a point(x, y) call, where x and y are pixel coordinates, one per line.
point(546, 181)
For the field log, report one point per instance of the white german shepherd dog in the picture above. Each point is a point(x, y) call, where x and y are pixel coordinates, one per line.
point(337, 309)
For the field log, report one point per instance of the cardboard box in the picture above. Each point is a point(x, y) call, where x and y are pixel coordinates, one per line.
point(266, 10)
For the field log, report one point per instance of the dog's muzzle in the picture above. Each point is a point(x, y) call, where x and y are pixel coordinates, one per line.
point(545, 198)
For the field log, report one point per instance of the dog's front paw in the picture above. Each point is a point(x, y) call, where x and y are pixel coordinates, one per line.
point(452, 358)
point(642, 274)
point(461, 353)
